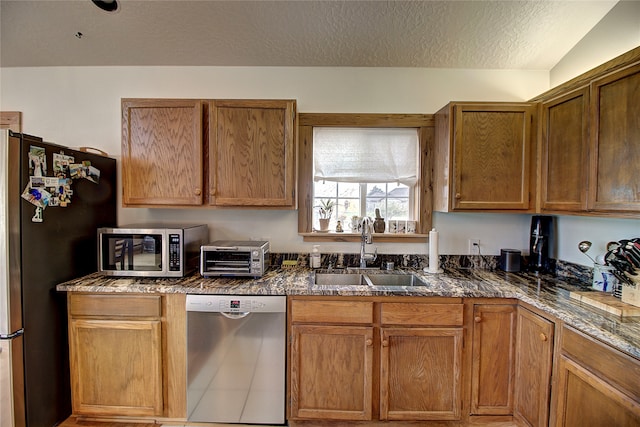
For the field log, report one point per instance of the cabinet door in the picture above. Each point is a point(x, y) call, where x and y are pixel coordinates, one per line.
point(492, 156)
point(420, 373)
point(534, 352)
point(597, 385)
point(162, 152)
point(252, 153)
point(615, 142)
point(331, 372)
point(116, 367)
point(585, 400)
point(493, 361)
point(565, 142)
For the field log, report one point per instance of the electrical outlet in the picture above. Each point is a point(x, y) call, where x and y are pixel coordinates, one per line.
point(474, 246)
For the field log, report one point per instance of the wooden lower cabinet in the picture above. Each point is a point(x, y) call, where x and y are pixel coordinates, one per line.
point(331, 373)
point(420, 373)
point(374, 361)
point(533, 365)
point(493, 354)
point(124, 355)
point(597, 385)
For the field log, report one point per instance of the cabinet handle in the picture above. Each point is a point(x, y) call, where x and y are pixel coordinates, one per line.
point(543, 337)
point(198, 191)
point(369, 342)
point(458, 196)
point(477, 319)
point(385, 343)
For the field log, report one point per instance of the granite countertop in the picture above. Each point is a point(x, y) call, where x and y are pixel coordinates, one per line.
point(545, 292)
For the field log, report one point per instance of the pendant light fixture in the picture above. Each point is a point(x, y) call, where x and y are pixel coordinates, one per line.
point(106, 5)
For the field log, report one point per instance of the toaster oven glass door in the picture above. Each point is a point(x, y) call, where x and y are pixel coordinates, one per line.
point(227, 262)
point(134, 252)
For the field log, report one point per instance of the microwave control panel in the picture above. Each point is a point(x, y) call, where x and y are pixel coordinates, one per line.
point(174, 252)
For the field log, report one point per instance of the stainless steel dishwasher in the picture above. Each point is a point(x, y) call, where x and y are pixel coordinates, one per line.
point(236, 352)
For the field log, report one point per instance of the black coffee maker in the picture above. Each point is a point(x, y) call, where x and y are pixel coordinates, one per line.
point(541, 244)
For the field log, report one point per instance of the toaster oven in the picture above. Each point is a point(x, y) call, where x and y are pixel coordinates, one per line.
point(231, 258)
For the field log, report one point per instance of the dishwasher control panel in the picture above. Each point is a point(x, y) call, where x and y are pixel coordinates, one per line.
point(237, 303)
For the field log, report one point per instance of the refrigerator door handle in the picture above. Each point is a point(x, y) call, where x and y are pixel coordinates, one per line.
point(12, 335)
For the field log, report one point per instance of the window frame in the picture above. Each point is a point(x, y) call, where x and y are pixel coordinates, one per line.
point(423, 188)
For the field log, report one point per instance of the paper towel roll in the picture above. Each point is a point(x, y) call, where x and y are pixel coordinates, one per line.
point(434, 259)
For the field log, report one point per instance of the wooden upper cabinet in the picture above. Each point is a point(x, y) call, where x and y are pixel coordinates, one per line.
point(252, 153)
point(249, 162)
point(565, 136)
point(162, 152)
point(483, 157)
point(615, 142)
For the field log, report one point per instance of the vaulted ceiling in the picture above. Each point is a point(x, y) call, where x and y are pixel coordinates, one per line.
point(482, 34)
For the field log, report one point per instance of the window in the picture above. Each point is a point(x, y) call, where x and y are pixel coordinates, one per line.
point(403, 196)
point(361, 170)
point(393, 201)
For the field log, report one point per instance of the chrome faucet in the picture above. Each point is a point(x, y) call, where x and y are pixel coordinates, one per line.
point(367, 239)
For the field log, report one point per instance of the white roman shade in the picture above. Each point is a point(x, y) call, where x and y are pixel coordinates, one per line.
point(368, 155)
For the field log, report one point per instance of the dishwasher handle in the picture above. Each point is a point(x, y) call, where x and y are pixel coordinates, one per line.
point(236, 315)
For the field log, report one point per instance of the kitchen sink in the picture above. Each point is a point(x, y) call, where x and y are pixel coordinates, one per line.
point(337, 279)
point(394, 280)
point(369, 279)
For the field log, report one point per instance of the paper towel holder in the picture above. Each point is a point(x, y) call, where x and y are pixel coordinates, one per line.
point(434, 260)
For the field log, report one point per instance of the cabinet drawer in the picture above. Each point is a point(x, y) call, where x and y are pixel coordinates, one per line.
point(422, 314)
point(115, 305)
point(332, 311)
point(609, 363)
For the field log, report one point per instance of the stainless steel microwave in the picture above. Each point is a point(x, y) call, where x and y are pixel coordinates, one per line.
point(231, 258)
point(150, 250)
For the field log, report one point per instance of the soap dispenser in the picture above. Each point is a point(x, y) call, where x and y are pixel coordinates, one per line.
point(314, 259)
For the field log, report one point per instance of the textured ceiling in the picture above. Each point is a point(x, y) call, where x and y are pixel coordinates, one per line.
point(527, 34)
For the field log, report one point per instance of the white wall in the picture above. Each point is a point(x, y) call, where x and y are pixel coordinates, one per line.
point(80, 106)
point(618, 32)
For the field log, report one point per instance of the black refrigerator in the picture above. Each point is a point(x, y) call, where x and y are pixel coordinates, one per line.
point(52, 202)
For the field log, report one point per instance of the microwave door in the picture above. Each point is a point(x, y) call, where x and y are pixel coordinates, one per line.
point(133, 252)
point(123, 254)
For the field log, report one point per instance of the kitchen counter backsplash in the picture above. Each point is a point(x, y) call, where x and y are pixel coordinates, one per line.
point(340, 260)
point(575, 272)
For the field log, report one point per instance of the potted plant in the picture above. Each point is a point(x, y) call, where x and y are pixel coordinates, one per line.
point(325, 210)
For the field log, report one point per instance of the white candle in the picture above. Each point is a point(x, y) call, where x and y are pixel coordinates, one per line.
point(434, 260)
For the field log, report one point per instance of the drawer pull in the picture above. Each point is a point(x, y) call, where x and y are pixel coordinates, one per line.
point(198, 192)
point(385, 343)
point(477, 319)
point(543, 337)
point(369, 342)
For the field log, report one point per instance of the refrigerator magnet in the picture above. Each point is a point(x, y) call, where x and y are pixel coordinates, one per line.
point(93, 174)
point(61, 165)
point(37, 216)
point(38, 197)
point(37, 161)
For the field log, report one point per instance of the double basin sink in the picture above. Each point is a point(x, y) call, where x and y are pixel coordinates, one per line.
point(368, 278)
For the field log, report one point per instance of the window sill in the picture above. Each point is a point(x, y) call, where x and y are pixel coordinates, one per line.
point(332, 236)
